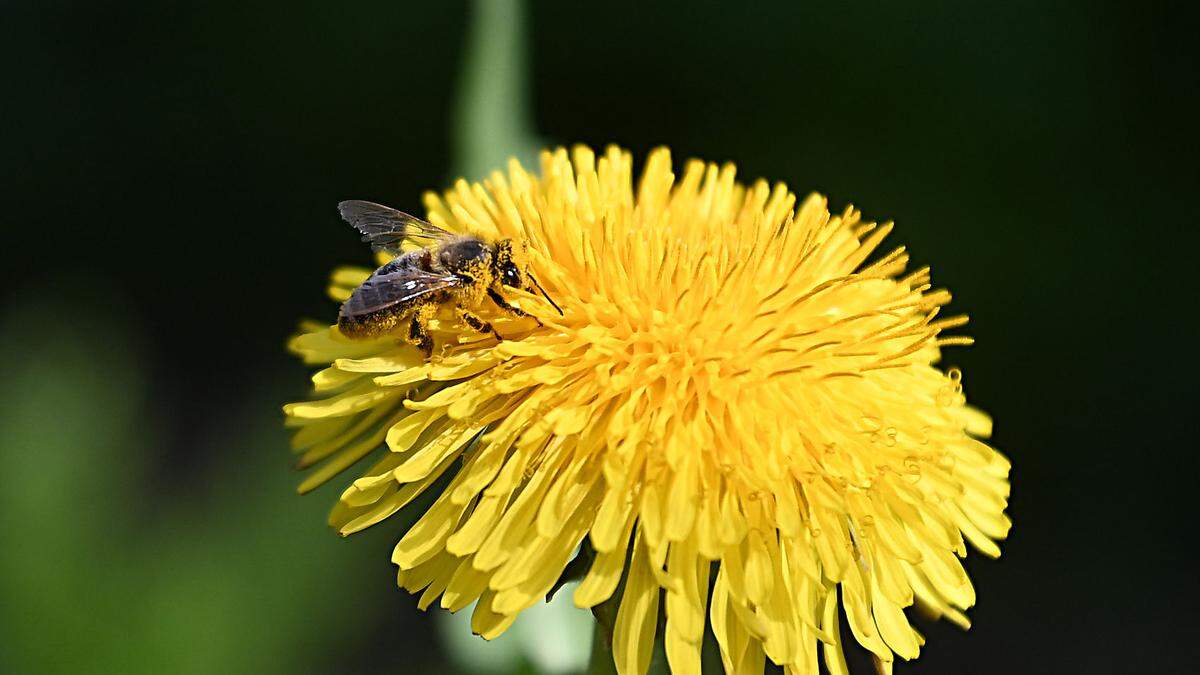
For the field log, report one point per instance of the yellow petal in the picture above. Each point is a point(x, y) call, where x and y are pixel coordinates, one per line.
point(468, 538)
point(893, 625)
point(502, 542)
point(347, 456)
point(330, 379)
point(464, 587)
point(633, 634)
point(835, 659)
point(405, 433)
point(760, 569)
point(386, 507)
point(605, 573)
point(682, 656)
point(426, 538)
point(487, 623)
point(730, 638)
point(682, 502)
point(422, 461)
point(858, 613)
point(611, 520)
point(685, 597)
point(354, 401)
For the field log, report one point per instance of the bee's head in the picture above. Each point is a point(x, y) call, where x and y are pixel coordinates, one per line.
point(507, 271)
point(510, 274)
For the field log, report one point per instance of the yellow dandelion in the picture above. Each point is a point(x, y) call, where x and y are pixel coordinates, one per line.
point(739, 415)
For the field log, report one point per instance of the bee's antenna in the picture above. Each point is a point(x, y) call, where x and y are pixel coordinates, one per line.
point(544, 294)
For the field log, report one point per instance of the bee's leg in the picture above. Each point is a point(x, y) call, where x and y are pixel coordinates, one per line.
point(419, 335)
point(476, 322)
point(503, 304)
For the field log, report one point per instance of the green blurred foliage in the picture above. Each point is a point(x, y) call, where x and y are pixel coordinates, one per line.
point(105, 572)
point(101, 574)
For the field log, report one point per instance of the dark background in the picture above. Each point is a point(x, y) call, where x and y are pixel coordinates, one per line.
point(170, 171)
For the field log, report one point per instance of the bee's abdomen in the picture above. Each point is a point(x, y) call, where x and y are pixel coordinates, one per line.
point(374, 324)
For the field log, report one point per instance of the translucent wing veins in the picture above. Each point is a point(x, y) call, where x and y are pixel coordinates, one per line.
point(386, 229)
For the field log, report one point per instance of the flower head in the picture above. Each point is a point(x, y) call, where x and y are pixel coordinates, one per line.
point(734, 391)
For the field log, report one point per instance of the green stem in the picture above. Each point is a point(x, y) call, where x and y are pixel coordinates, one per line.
point(601, 660)
point(491, 114)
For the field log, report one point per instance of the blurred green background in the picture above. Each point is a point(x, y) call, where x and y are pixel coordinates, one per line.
point(170, 172)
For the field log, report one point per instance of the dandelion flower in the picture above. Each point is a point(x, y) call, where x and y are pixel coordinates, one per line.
point(739, 415)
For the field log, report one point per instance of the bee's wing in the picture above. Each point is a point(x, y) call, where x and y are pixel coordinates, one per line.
point(385, 228)
point(381, 291)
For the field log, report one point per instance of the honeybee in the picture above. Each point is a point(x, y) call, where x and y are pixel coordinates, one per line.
point(447, 269)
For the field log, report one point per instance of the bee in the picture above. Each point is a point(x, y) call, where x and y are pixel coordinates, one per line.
point(446, 270)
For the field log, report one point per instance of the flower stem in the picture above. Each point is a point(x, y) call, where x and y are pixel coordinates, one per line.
point(601, 660)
